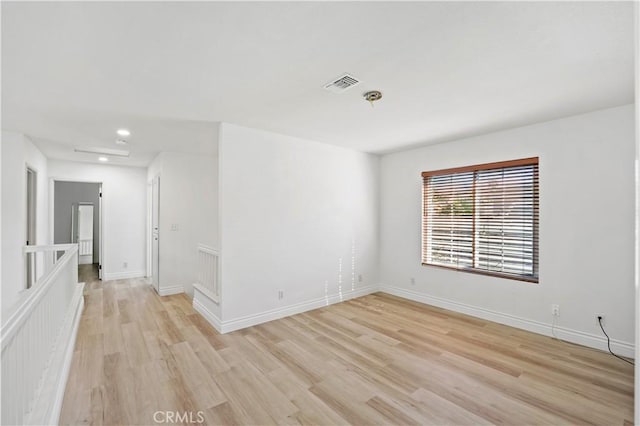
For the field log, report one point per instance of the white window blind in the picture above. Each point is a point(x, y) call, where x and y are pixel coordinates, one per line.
point(483, 219)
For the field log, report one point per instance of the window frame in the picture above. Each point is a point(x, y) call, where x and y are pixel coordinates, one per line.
point(531, 161)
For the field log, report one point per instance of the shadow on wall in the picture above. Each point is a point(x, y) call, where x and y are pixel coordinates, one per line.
point(340, 283)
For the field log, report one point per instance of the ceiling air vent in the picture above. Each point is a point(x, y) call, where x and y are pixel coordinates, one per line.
point(102, 151)
point(342, 83)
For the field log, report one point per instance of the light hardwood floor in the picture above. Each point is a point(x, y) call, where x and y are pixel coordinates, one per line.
point(373, 360)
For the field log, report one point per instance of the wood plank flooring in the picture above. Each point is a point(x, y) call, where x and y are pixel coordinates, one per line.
point(373, 360)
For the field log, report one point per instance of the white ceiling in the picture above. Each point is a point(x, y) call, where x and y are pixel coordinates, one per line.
point(72, 73)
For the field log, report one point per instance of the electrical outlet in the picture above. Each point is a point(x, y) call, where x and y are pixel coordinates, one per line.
point(555, 310)
point(280, 294)
point(413, 281)
point(125, 265)
point(600, 319)
point(360, 278)
point(174, 227)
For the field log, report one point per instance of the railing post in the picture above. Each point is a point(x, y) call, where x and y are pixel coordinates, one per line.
point(75, 270)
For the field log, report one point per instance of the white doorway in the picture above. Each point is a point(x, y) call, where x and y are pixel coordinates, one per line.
point(155, 233)
point(30, 233)
point(82, 231)
point(77, 210)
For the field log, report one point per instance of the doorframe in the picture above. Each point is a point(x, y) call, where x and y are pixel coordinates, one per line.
point(149, 238)
point(33, 226)
point(101, 226)
point(150, 226)
point(31, 219)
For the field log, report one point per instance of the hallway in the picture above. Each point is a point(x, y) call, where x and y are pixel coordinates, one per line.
point(125, 365)
point(373, 360)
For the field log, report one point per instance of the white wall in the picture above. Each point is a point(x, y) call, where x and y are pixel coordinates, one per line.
point(13, 228)
point(637, 233)
point(188, 199)
point(586, 228)
point(1, 215)
point(124, 213)
point(18, 152)
point(297, 216)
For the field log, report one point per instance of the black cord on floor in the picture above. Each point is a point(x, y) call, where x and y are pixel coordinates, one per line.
point(609, 343)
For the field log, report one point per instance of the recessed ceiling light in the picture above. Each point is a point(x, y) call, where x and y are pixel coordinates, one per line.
point(103, 159)
point(121, 142)
point(123, 132)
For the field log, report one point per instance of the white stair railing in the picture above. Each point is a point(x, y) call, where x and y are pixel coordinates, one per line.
point(208, 265)
point(35, 335)
point(85, 247)
point(40, 260)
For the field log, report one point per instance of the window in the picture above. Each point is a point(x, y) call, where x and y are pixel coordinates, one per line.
point(483, 219)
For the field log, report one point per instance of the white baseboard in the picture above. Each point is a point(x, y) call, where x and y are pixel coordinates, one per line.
point(205, 303)
point(49, 402)
point(123, 275)
point(168, 291)
point(570, 335)
point(85, 260)
point(262, 317)
point(208, 294)
point(575, 336)
point(206, 313)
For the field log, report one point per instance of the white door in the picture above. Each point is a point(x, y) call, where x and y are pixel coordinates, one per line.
point(155, 234)
point(85, 233)
point(100, 233)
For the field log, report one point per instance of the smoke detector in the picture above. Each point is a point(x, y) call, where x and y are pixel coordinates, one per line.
point(342, 83)
point(372, 96)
